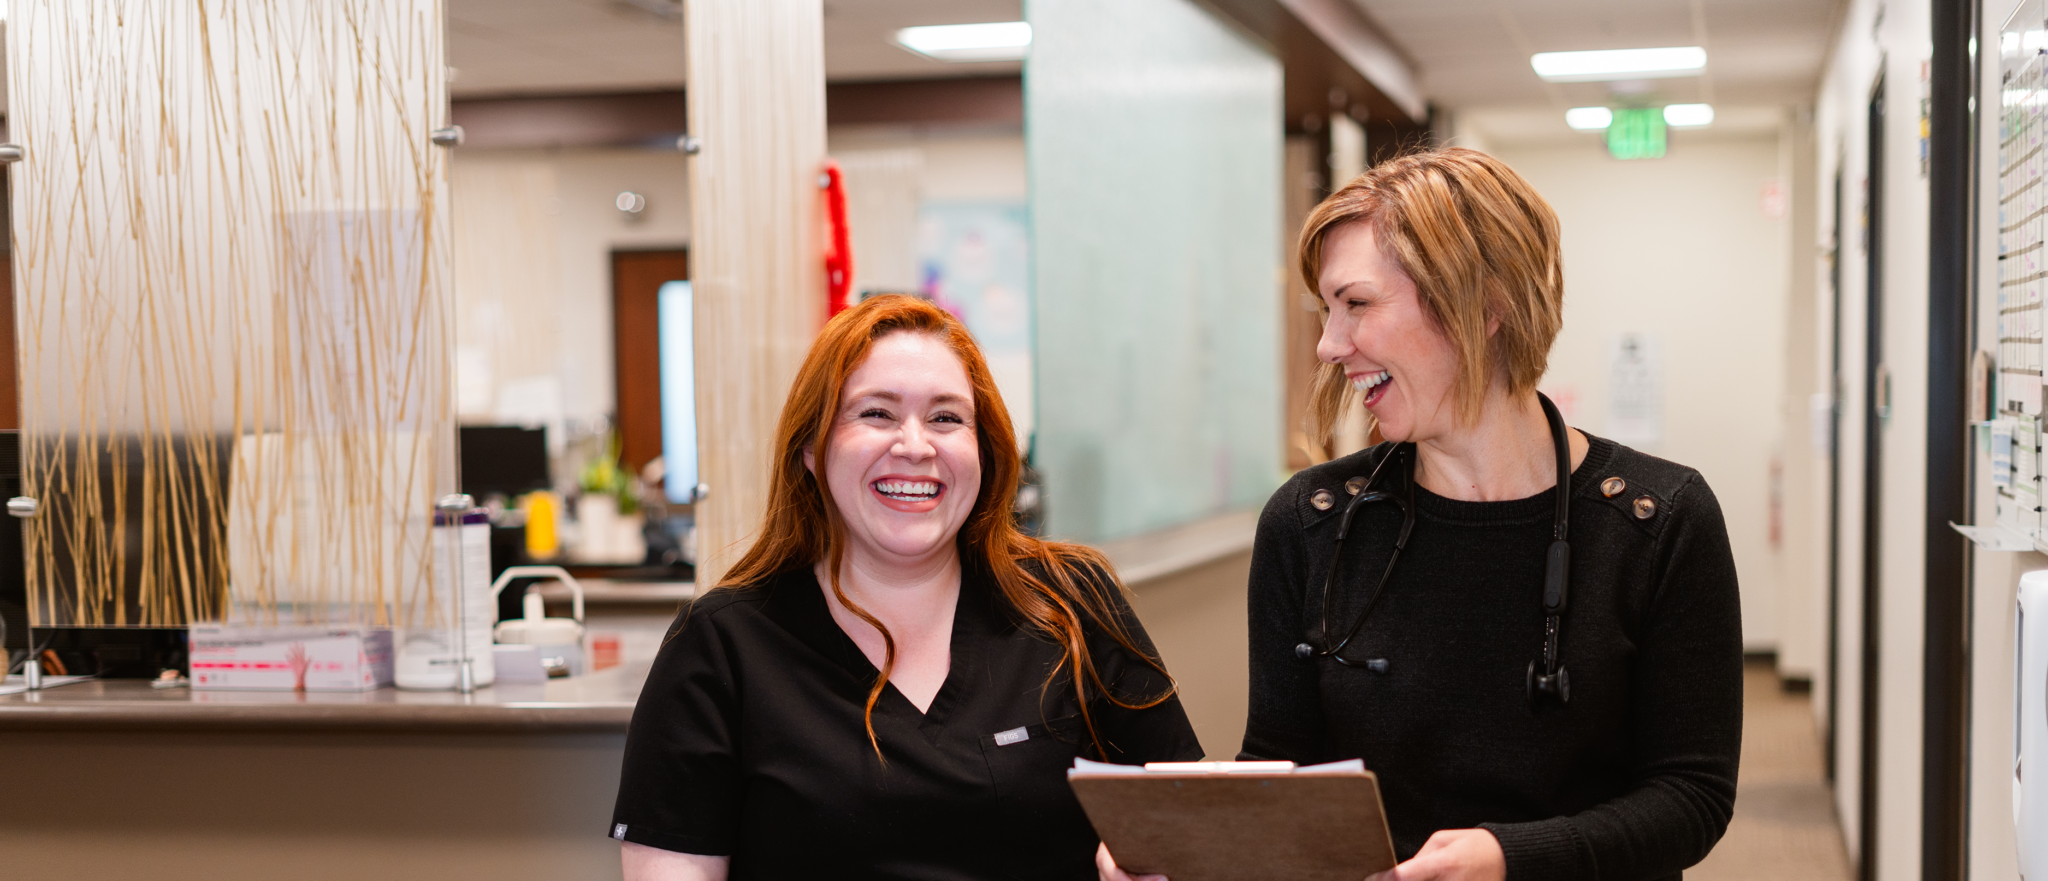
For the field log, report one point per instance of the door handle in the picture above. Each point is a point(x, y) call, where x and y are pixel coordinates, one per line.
point(1881, 392)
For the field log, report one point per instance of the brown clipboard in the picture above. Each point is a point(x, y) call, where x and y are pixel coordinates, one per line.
point(1307, 825)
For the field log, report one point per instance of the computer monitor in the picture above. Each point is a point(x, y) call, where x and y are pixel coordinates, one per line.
point(13, 568)
point(503, 459)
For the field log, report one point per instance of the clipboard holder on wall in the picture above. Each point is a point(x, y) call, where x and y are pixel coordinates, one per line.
point(1210, 821)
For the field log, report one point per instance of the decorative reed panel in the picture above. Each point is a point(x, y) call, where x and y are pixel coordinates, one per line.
point(757, 101)
point(231, 244)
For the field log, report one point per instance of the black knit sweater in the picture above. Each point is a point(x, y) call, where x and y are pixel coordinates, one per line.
point(1634, 779)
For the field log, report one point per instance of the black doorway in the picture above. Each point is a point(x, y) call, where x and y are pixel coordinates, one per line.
point(1835, 394)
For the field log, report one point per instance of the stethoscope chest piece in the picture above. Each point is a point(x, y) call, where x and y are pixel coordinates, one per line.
point(1542, 686)
point(1307, 652)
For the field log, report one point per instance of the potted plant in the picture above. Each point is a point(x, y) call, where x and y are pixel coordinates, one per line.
point(608, 513)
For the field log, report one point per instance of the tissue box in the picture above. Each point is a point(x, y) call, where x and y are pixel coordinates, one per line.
point(290, 658)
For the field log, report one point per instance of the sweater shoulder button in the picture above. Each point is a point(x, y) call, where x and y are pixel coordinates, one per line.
point(1646, 508)
point(1322, 499)
point(1613, 486)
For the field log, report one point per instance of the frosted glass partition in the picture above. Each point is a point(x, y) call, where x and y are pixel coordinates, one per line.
point(1154, 135)
point(231, 233)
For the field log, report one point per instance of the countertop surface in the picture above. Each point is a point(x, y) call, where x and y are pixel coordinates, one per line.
point(599, 702)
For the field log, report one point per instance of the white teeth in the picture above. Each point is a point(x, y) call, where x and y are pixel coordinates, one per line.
point(908, 489)
point(1367, 382)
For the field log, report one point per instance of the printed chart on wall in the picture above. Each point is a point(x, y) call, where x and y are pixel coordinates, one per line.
point(1635, 391)
point(973, 260)
point(2015, 432)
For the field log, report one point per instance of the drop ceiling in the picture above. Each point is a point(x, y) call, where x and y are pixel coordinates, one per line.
point(1474, 54)
point(1763, 55)
point(542, 47)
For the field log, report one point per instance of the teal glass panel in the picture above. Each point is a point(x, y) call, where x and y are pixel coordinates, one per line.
point(1154, 136)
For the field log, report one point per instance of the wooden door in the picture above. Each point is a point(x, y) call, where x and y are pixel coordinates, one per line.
point(637, 277)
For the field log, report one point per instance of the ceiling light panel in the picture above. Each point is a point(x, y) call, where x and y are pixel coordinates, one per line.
point(1618, 64)
point(988, 41)
point(1688, 115)
point(1588, 118)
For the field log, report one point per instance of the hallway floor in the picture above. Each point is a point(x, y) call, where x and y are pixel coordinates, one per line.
point(1784, 826)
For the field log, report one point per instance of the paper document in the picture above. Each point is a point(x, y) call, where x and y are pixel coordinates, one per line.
point(1084, 766)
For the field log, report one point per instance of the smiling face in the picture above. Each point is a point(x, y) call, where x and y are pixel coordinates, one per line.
point(902, 460)
point(1389, 347)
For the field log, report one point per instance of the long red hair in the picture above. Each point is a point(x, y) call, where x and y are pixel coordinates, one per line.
point(1073, 585)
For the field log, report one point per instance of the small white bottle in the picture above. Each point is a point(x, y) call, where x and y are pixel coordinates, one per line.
point(428, 656)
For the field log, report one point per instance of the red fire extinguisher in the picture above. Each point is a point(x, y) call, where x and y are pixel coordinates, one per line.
point(838, 244)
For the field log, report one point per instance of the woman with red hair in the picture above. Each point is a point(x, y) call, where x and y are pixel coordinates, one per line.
point(894, 679)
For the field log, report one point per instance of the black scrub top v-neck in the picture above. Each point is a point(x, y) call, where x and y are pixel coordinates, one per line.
point(748, 741)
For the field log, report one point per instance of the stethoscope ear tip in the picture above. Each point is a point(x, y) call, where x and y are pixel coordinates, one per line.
point(1304, 651)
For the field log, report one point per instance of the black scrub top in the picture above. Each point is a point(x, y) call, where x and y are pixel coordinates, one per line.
point(748, 741)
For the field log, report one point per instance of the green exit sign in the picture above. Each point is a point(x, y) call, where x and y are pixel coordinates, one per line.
point(1636, 133)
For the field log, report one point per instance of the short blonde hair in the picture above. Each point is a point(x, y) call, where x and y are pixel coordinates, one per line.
point(1479, 243)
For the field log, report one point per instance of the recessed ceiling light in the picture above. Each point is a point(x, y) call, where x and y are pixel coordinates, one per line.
point(1610, 64)
point(1688, 115)
point(1588, 118)
point(989, 41)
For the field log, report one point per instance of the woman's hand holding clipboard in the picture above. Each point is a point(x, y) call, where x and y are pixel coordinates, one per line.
point(1452, 855)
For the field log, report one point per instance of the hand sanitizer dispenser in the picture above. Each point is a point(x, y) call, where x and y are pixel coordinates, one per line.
point(2030, 734)
point(557, 643)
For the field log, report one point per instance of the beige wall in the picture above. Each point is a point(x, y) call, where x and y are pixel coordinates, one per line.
point(1802, 482)
point(1196, 617)
point(964, 165)
point(1679, 248)
point(534, 231)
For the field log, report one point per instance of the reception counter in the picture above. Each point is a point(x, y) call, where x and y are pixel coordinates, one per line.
point(110, 779)
point(118, 779)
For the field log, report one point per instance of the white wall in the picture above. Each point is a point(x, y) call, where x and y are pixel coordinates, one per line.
point(958, 165)
point(1679, 248)
point(1802, 553)
point(1993, 850)
point(533, 236)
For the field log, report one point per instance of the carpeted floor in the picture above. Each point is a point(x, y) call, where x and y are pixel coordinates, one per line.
point(1784, 826)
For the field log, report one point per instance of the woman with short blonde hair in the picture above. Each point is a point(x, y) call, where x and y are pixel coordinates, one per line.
point(1483, 251)
point(1529, 633)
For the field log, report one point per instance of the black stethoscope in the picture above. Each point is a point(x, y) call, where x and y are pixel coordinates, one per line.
point(1552, 681)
